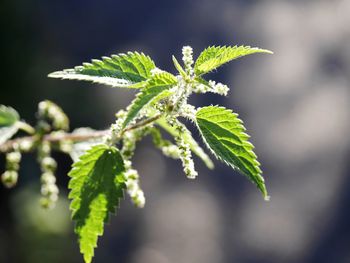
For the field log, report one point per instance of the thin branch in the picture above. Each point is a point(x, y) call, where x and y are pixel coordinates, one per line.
point(11, 144)
point(141, 124)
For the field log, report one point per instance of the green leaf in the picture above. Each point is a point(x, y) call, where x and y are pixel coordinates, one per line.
point(8, 116)
point(154, 90)
point(179, 68)
point(96, 184)
point(225, 135)
point(9, 123)
point(195, 148)
point(213, 57)
point(123, 70)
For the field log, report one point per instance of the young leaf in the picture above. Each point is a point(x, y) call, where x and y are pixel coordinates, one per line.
point(179, 68)
point(213, 57)
point(153, 90)
point(195, 148)
point(123, 70)
point(8, 116)
point(225, 135)
point(9, 119)
point(97, 184)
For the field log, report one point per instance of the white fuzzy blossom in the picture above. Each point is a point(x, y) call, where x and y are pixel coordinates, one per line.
point(180, 96)
point(188, 111)
point(171, 151)
point(201, 88)
point(133, 188)
point(184, 149)
point(218, 88)
point(187, 57)
point(212, 86)
point(187, 161)
point(116, 128)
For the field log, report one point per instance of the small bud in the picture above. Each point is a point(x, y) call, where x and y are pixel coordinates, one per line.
point(139, 199)
point(13, 157)
point(43, 105)
point(133, 188)
point(48, 178)
point(49, 189)
point(171, 151)
point(46, 203)
point(9, 178)
point(66, 146)
point(50, 110)
point(218, 88)
point(48, 164)
point(25, 145)
point(12, 161)
point(44, 149)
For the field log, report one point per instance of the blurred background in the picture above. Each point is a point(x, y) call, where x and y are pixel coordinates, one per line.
point(295, 104)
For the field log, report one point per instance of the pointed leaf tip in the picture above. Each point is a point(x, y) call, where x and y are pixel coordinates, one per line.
point(224, 135)
point(215, 56)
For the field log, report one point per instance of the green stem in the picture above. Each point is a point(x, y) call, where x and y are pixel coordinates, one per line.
point(25, 127)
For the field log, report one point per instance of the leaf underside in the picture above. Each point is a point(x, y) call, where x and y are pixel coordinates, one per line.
point(96, 184)
point(152, 91)
point(224, 134)
point(8, 116)
point(213, 57)
point(122, 70)
point(8, 123)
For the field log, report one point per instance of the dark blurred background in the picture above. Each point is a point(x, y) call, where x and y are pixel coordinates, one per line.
point(295, 105)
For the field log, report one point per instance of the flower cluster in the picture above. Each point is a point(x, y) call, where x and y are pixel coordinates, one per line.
point(189, 112)
point(184, 149)
point(187, 57)
point(211, 86)
point(10, 176)
point(116, 128)
point(133, 186)
point(48, 165)
point(218, 88)
point(51, 111)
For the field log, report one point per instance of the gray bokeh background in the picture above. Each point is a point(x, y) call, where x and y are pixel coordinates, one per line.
point(295, 105)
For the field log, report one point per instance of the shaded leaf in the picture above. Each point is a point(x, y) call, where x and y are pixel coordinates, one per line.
point(96, 184)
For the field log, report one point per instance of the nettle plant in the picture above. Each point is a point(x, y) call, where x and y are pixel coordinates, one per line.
point(103, 169)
